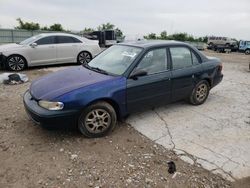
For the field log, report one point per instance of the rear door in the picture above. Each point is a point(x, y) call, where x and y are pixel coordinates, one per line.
point(67, 49)
point(186, 68)
point(44, 52)
point(154, 88)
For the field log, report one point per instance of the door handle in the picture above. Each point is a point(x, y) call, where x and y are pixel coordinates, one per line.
point(51, 46)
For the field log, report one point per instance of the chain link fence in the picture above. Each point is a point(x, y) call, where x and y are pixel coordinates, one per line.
point(18, 35)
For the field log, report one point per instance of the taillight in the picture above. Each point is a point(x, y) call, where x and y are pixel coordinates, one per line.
point(220, 67)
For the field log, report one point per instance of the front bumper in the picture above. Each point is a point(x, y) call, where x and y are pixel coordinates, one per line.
point(48, 118)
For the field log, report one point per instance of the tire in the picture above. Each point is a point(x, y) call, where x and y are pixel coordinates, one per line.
point(247, 51)
point(97, 120)
point(16, 63)
point(200, 93)
point(84, 57)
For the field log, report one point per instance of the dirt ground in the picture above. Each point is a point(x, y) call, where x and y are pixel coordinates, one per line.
point(33, 157)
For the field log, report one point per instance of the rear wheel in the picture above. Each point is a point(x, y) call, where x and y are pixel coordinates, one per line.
point(199, 93)
point(84, 57)
point(15, 63)
point(97, 120)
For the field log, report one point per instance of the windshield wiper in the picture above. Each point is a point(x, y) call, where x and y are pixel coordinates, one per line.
point(95, 69)
point(100, 70)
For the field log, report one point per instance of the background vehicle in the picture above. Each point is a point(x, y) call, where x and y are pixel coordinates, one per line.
point(105, 38)
point(221, 41)
point(49, 48)
point(244, 46)
point(123, 79)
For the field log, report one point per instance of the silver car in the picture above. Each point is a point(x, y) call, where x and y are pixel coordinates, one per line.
point(46, 49)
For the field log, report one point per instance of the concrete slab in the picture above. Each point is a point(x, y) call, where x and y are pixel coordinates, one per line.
point(215, 135)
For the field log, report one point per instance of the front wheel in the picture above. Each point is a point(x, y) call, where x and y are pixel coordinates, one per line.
point(97, 120)
point(15, 63)
point(84, 57)
point(247, 52)
point(199, 93)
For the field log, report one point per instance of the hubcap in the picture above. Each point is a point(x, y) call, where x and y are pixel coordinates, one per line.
point(201, 92)
point(84, 57)
point(248, 52)
point(97, 121)
point(16, 63)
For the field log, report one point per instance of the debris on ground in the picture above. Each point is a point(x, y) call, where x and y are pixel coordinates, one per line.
point(13, 78)
point(171, 167)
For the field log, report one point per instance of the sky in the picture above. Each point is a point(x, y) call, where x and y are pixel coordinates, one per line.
point(229, 18)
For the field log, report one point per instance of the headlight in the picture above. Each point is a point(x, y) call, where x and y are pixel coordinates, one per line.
point(51, 105)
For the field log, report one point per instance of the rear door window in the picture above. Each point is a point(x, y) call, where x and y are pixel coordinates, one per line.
point(181, 57)
point(65, 39)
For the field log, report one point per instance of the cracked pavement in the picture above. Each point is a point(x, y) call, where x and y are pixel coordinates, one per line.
point(215, 135)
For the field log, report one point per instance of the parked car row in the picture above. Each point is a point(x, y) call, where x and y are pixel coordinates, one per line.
point(225, 44)
point(47, 49)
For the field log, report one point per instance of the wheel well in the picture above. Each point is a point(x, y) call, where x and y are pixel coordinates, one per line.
point(209, 81)
point(25, 60)
point(112, 103)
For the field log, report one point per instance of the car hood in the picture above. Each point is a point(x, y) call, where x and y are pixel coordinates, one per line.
point(12, 46)
point(56, 84)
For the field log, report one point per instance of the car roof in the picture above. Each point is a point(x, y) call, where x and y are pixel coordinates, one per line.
point(147, 44)
point(57, 34)
point(152, 43)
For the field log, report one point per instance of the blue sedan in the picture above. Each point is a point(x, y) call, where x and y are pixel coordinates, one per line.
point(125, 78)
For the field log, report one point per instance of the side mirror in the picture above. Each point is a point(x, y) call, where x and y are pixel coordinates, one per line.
point(33, 45)
point(138, 73)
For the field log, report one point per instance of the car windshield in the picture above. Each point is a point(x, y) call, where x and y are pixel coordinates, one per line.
point(29, 40)
point(116, 59)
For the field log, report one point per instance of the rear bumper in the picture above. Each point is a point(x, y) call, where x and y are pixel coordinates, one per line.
point(48, 118)
point(217, 80)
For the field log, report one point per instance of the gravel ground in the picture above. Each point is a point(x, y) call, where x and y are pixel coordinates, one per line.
point(33, 157)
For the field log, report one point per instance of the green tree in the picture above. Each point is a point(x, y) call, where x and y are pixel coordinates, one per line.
point(107, 26)
point(164, 35)
point(151, 36)
point(27, 25)
point(88, 30)
point(118, 32)
point(56, 27)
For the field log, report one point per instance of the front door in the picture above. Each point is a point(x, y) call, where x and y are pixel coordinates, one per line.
point(44, 52)
point(154, 88)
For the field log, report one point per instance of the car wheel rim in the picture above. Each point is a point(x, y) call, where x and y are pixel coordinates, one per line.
point(248, 52)
point(84, 57)
point(201, 92)
point(16, 63)
point(97, 121)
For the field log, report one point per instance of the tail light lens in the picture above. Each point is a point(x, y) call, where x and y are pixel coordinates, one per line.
point(220, 67)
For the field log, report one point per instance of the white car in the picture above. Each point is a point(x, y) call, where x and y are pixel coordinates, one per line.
point(46, 49)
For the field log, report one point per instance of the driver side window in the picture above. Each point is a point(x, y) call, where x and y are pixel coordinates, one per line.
point(153, 61)
point(46, 40)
